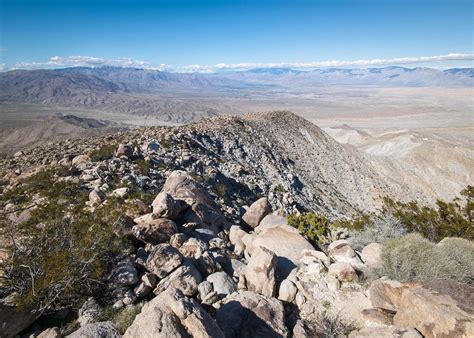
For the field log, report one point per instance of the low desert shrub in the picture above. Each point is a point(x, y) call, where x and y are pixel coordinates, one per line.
point(103, 153)
point(414, 258)
point(379, 230)
point(311, 225)
point(329, 324)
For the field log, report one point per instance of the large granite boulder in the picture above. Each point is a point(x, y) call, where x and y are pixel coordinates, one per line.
point(155, 231)
point(164, 205)
point(171, 314)
point(257, 211)
point(434, 314)
point(163, 259)
point(260, 272)
point(181, 186)
point(186, 279)
point(386, 294)
point(249, 314)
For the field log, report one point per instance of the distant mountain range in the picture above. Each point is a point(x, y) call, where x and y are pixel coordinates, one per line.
point(178, 97)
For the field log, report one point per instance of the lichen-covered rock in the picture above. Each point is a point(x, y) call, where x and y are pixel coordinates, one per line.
point(97, 330)
point(163, 259)
point(155, 231)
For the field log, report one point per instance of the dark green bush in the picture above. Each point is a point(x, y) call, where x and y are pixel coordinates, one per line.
point(311, 225)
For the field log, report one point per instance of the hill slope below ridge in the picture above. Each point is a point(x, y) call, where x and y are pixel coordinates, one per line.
point(279, 155)
point(52, 129)
point(438, 161)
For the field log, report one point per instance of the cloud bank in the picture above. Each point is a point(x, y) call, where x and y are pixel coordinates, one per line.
point(87, 61)
point(90, 61)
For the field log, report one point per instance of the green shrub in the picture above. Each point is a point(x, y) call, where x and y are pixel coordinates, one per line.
point(311, 225)
point(414, 258)
point(103, 153)
point(124, 318)
point(143, 167)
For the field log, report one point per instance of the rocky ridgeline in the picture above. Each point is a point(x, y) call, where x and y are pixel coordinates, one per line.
point(278, 155)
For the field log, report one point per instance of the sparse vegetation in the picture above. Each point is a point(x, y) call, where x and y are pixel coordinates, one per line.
point(62, 252)
point(414, 258)
point(103, 153)
point(311, 225)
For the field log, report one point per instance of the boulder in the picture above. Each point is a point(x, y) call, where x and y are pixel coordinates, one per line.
point(372, 255)
point(155, 231)
point(269, 221)
point(96, 197)
point(89, 312)
point(311, 256)
point(341, 251)
point(125, 273)
point(171, 314)
point(386, 294)
point(286, 242)
point(186, 278)
point(249, 314)
point(124, 150)
point(163, 259)
point(203, 209)
point(257, 211)
point(385, 332)
point(222, 283)
point(344, 272)
point(287, 291)
point(260, 272)
point(80, 159)
point(193, 247)
point(120, 192)
point(96, 330)
point(433, 314)
point(236, 235)
point(14, 320)
point(164, 205)
point(52, 332)
point(376, 317)
point(177, 240)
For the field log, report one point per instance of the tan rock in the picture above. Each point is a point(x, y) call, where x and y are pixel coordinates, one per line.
point(257, 211)
point(385, 332)
point(386, 294)
point(163, 259)
point(433, 314)
point(372, 255)
point(344, 272)
point(155, 231)
point(260, 272)
point(236, 235)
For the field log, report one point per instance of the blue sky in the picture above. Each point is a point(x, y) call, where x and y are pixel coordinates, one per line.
point(175, 34)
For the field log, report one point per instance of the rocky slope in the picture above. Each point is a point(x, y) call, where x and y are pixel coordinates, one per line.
point(195, 274)
point(292, 161)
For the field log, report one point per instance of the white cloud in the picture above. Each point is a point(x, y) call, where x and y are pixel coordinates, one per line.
point(91, 61)
point(331, 63)
point(87, 61)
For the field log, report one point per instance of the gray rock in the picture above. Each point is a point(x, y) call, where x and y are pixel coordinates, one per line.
point(155, 231)
point(222, 283)
point(124, 150)
point(163, 259)
point(52, 332)
point(186, 279)
point(89, 312)
point(14, 320)
point(203, 208)
point(177, 240)
point(96, 197)
point(97, 330)
point(164, 205)
point(125, 273)
point(257, 211)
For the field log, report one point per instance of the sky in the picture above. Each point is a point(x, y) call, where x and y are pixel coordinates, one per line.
point(206, 36)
